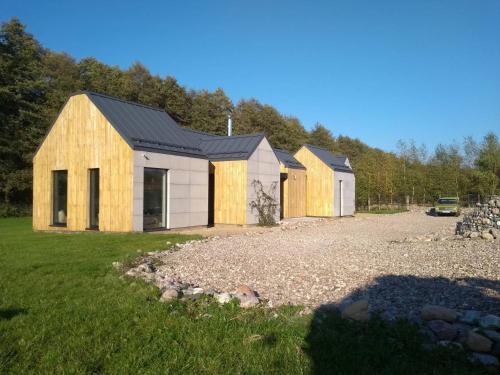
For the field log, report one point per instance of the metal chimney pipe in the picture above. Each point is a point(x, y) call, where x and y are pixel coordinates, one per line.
point(229, 123)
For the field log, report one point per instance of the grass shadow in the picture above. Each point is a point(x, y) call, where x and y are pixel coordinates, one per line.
point(8, 314)
point(396, 346)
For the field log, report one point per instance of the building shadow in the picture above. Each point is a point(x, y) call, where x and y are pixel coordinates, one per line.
point(393, 342)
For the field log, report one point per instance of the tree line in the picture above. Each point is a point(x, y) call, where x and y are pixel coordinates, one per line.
point(35, 82)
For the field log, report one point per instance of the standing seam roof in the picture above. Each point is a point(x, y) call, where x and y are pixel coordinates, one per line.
point(287, 159)
point(145, 127)
point(335, 162)
point(152, 129)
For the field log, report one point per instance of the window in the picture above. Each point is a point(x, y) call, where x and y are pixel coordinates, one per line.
point(59, 197)
point(94, 198)
point(155, 198)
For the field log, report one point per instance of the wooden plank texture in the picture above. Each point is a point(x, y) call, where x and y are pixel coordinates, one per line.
point(319, 184)
point(295, 193)
point(80, 139)
point(230, 192)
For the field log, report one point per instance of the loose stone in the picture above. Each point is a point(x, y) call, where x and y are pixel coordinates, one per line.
point(433, 312)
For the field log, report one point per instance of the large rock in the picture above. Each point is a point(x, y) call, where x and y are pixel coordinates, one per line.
point(495, 350)
point(462, 331)
point(486, 235)
point(490, 321)
point(485, 359)
point(478, 343)
point(434, 312)
point(492, 335)
point(357, 311)
point(470, 316)
point(169, 294)
point(246, 296)
point(443, 330)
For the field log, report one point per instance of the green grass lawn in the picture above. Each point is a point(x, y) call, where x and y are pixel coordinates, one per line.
point(64, 309)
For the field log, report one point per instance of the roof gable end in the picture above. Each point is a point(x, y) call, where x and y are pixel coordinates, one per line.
point(338, 163)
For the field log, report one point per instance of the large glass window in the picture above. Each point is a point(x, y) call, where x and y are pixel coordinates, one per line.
point(94, 198)
point(155, 198)
point(59, 197)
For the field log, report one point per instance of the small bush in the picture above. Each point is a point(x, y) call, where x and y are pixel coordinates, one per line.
point(8, 210)
point(264, 203)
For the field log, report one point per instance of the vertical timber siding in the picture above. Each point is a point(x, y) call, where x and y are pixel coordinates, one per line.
point(82, 138)
point(294, 193)
point(319, 184)
point(230, 192)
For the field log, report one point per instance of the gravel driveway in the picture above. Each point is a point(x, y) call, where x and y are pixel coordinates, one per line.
point(400, 262)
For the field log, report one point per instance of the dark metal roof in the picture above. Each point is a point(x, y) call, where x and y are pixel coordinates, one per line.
point(287, 159)
point(145, 128)
point(152, 129)
point(336, 162)
point(239, 147)
point(216, 147)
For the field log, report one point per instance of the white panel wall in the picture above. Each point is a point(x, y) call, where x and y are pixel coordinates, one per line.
point(187, 189)
point(264, 166)
point(348, 193)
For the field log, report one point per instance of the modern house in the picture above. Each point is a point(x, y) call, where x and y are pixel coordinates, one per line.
point(113, 165)
point(293, 189)
point(330, 182)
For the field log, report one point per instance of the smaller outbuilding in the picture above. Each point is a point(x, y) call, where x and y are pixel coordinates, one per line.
point(330, 182)
point(293, 190)
point(235, 163)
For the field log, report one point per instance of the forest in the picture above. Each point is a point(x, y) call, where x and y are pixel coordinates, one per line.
point(35, 82)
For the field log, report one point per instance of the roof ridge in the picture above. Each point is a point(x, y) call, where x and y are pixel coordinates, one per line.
point(324, 149)
point(201, 132)
point(219, 137)
point(88, 92)
point(318, 147)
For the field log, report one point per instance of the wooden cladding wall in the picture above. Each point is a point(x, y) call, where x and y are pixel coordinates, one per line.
point(319, 184)
point(295, 193)
point(230, 192)
point(80, 139)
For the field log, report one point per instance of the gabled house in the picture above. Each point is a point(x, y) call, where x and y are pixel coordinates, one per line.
point(293, 189)
point(235, 162)
point(330, 182)
point(113, 165)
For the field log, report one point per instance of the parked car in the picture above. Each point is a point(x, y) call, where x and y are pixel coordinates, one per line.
point(447, 206)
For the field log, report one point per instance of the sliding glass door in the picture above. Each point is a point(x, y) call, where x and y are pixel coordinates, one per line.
point(94, 198)
point(155, 198)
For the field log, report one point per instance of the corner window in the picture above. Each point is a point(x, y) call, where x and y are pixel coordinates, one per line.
point(59, 197)
point(155, 198)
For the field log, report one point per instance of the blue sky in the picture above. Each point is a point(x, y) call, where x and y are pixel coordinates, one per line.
point(376, 70)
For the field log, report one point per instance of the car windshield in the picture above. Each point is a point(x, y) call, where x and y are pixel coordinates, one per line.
point(447, 201)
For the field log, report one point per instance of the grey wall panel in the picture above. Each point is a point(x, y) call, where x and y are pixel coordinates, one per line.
point(263, 166)
point(348, 192)
point(187, 203)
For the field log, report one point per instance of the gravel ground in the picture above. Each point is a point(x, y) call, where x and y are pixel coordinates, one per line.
point(399, 262)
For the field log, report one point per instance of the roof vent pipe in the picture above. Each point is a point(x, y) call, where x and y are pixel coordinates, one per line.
point(229, 123)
